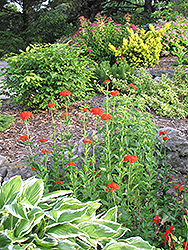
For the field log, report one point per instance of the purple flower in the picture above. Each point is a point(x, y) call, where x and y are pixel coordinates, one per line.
point(92, 24)
point(89, 50)
point(116, 29)
point(92, 30)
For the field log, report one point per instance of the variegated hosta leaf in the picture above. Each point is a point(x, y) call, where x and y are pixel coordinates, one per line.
point(68, 215)
point(99, 230)
point(64, 231)
point(17, 211)
point(46, 241)
point(133, 243)
point(55, 194)
point(4, 240)
point(25, 226)
point(111, 214)
point(10, 191)
point(32, 190)
point(14, 239)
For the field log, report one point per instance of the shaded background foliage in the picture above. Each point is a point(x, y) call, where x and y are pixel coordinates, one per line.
point(39, 21)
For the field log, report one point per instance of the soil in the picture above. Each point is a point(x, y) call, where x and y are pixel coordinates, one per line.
point(40, 124)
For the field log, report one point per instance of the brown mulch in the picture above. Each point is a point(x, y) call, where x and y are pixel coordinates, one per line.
point(40, 125)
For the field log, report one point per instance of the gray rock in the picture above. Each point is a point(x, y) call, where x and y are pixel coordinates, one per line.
point(177, 149)
point(3, 161)
point(158, 73)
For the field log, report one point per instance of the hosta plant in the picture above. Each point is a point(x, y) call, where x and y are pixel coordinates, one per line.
point(29, 220)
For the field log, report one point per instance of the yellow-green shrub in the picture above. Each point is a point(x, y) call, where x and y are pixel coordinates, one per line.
point(141, 49)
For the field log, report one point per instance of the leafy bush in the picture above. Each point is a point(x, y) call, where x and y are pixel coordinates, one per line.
point(37, 76)
point(141, 49)
point(5, 121)
point(95, 37)
point(175, 37)
point(166, 97)
point(29, 220)
point(121, 71)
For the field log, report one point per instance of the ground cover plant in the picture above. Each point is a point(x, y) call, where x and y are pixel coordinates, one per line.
point(5, 121)
point(36, 76)
point(127, 175)
point(31, 220)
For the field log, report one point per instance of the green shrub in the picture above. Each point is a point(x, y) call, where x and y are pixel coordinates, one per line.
point(37, 76)
point(29, 220)
point(121, 71)
point(141, 49)
point(5, 121)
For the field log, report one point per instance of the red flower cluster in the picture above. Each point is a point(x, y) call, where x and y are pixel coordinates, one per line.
point(156, 219)
point(112, 187)
point(166, 235)
point(115, 93)
point(178, 186)
point(97, 111)
point(106, 117)
point(24, 138)
point(51, 105)
point(25, 115)
point(106, 81)
point(65, 93)
point(59, 182)
point(33, 169)
point(85, 109)
point(185, 244)
point(132, 85)
point(130, 158)
point(71, 164)
point(165, 138)
point(65, 114)
point(45, 151)
point(43, 140)
point(87, 141)
point(162, 133)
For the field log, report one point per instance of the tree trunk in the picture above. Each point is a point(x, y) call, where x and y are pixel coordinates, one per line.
point(148, 6)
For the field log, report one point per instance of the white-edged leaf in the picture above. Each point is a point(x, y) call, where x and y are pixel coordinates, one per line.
point(4, 240)
point(10, 190)
point(33, 189)
point(111, 214)
point(17, 211)
point(15, 239)
point(46, 241)
point(55, 194)
point(64, 231)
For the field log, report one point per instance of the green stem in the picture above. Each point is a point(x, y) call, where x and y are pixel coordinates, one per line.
point(114, 198)
point(28, 137)
point(53, 123)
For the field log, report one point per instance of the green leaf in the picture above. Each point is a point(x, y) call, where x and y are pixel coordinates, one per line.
point(10, 191)
point(64, 231)
point(111, 214)
point(15, 239)
point(4, 240)
point(32, 190)
point(17, 210)
point(55, 194)
point(46, 241)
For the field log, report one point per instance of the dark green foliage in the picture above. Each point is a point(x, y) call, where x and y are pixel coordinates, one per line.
point(5, 121)
point(37, 76)
point(47, 27)
point(119, 71)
